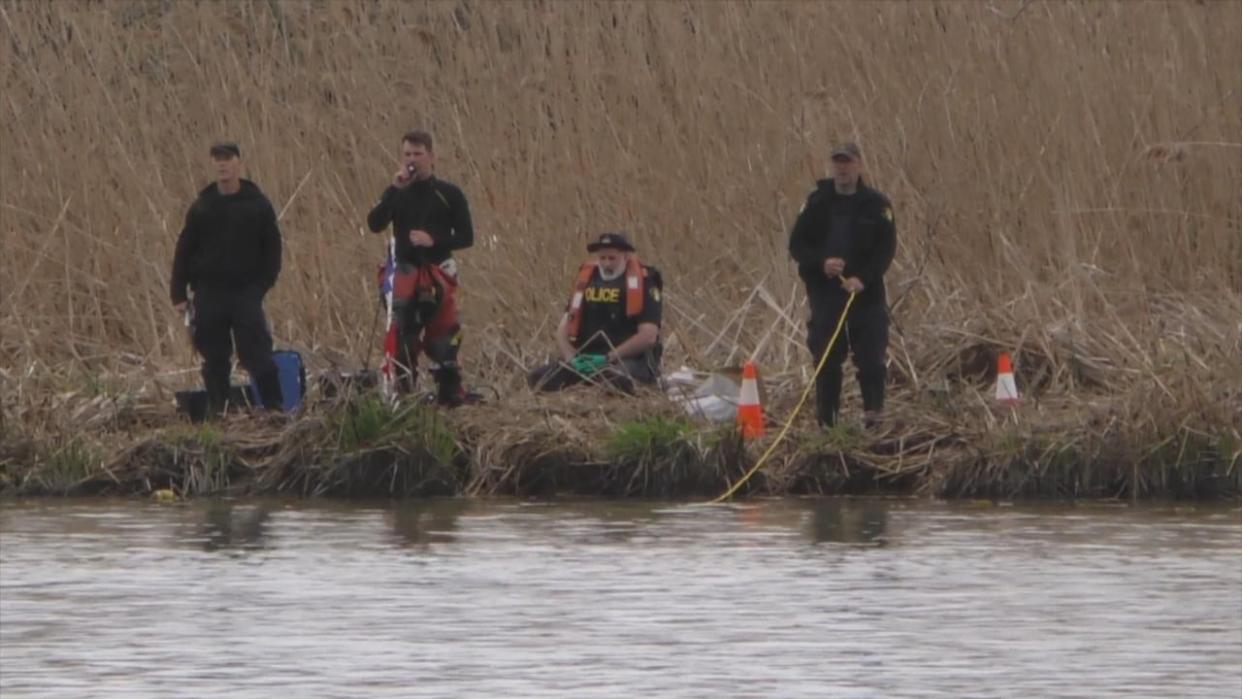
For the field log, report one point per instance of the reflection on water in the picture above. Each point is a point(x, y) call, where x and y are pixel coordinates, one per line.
point(857, 522)
point(785, 598)
point(421, 525)
point(227, 525)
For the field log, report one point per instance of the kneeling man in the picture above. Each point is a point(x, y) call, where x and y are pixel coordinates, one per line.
point(610, 333)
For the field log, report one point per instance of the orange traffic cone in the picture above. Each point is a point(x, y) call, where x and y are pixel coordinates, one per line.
point(749, 410)
point(1006, 389)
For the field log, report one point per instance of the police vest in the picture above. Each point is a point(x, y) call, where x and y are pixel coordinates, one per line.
point(635, 288)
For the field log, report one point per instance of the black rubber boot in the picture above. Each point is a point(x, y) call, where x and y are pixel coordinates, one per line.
point(270, 393)
point(828, 395)
point(216, 381)
point(449, 393)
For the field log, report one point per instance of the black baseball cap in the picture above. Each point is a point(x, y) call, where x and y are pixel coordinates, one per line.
point(617, 241)
point(847, 150)
point(225, 149)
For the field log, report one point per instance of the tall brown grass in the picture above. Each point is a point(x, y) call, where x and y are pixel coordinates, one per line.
point(1065, 175)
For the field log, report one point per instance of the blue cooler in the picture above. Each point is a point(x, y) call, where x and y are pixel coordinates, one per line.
point(292, 380)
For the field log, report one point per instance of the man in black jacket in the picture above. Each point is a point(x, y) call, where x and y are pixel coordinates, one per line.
point(844, 241)
point(229, 255)
point(430, 219)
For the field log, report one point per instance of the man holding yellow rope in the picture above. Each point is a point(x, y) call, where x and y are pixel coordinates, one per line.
point(844, 241)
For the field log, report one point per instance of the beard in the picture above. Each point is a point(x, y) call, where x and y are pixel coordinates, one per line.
point(608, 276)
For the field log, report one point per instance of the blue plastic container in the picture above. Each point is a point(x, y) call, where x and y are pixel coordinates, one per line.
point(292, 380)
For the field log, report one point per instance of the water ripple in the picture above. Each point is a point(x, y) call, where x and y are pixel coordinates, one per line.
point(779, 598)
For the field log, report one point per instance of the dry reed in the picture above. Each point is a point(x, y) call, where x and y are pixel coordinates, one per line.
point(1065, 177)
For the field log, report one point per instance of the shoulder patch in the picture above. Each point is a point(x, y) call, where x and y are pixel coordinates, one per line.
point(888, 213)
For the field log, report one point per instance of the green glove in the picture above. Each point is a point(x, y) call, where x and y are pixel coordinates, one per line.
point(588, 364)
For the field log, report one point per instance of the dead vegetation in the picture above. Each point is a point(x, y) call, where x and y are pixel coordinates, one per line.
point(1065, 180)
point(954, 444)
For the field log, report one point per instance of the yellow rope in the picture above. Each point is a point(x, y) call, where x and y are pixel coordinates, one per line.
point(806, 392)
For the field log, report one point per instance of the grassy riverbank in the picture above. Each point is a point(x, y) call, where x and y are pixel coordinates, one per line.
point(1064, 177)
point(945, 444)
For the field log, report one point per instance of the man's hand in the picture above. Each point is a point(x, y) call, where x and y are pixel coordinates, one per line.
point(833, 266)
point(179, 306)
point(403, 178)
point(852, 284)
point(421, 239)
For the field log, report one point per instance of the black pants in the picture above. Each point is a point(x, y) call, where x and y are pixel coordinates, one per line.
point(223, 317)
point(865, 336)
point(557, 376)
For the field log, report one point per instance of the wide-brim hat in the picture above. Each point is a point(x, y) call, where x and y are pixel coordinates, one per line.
point(616, 241)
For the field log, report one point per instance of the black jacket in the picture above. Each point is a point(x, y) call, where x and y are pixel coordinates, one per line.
point(230, 241)
point(434, 205)
point(868, 251)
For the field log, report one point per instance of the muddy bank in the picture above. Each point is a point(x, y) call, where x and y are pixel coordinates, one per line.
point(588, 445)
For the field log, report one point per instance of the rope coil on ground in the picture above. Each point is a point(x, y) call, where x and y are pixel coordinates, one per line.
point(797, 408)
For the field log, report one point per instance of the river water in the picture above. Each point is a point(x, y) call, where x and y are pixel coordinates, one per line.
point(781, 598)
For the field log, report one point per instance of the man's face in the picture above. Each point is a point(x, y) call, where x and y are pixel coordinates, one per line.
point(845, 170)
point(611, 261)
point(417, 156)
point(227, 167)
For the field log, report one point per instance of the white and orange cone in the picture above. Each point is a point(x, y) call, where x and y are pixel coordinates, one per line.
point(749, 409)
point(1006, 388)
